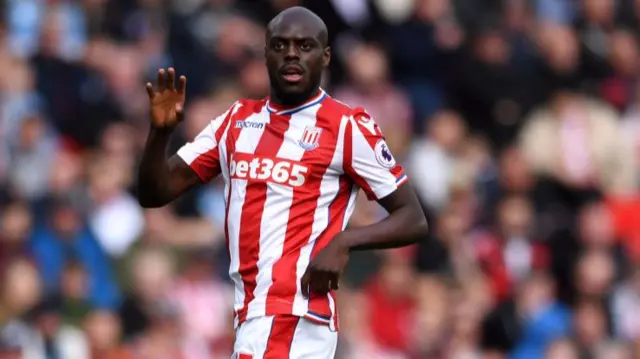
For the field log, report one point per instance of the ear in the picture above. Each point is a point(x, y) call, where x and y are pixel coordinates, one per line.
point(326, 56)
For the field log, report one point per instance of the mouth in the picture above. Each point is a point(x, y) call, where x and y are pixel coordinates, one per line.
point(292, 73)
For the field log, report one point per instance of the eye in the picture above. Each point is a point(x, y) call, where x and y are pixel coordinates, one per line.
point(278, 45)
point(306, 46)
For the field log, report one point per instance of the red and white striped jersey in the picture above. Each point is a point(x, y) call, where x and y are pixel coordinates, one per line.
point(291, 179)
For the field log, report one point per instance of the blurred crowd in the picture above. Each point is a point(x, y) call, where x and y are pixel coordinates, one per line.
point(517, 120)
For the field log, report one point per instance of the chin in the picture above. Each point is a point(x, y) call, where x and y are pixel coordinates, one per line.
point(296, 93)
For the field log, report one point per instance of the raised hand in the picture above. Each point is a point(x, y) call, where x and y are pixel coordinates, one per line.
point(167, 101)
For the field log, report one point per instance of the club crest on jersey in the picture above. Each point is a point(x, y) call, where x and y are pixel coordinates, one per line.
point(310, 139)
point(383, 154)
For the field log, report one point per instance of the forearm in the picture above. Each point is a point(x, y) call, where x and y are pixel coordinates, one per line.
point(154, 176)
point(403, 227)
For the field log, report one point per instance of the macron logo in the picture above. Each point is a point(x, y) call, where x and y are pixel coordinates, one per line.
point(249, 124)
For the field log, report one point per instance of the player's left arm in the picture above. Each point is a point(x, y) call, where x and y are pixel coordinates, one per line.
point(405, 225)
point(370, 164)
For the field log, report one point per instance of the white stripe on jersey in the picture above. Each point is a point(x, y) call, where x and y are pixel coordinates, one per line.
point(246, 142)
point(329, 188)
point(278, 201)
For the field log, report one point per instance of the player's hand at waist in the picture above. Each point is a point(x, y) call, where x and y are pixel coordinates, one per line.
point(324, 271)
point(166, 101)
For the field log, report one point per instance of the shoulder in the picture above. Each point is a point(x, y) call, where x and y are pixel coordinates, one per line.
point(333, 110)
point(240, 109)
point(250, 103)
point(246, 105)
point(339, 111)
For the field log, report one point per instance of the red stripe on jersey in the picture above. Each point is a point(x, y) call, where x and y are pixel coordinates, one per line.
point(365, 125)
point(232, 135)
point(348, 158)
point(252, 210)
point(207, 165)
point(319, 303)
point(284, 286)
point(281, 337)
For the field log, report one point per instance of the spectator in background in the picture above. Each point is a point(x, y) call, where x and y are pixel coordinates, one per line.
point(51, 338)
point(21, 291)
point(487, 87)
point(423, 67)
point(202, 300)
point(31, 158)
point(434, 158)
point(507, 253)
point(631, 130)
point(15, 226)
point(509, 174)
point(625, 308)
point(594, 234)
point(370, 87)
point(593, 274)
point(590, 325)
point(18, 102)
point(109, 177)
point(151, 273)
point(65, 238)
point(164, 338)
point(74, 294)
point(543, 318)
point(103, 335)
point(562, 349)
point(449, 251)
point(390, 304)
point(620, 87)
point(595, 24)
point(576, 143)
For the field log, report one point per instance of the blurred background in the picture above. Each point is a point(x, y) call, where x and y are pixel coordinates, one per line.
point(517, 120)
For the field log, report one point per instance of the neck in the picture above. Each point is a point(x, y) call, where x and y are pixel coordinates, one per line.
point(292, 100)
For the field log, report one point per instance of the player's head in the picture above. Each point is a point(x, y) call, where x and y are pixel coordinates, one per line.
point(296, 53)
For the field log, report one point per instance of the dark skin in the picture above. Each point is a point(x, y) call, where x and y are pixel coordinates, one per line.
point(296, 55)
point(296, 41)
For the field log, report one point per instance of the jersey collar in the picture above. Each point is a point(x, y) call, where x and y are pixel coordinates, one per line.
point(284, 110)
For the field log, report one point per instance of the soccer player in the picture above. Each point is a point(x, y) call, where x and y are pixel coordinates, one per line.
point(292, 164)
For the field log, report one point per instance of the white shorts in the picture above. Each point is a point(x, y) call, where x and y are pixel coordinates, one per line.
point(284, 337)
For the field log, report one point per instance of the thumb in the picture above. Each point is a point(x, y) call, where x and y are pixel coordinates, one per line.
point(304, 284)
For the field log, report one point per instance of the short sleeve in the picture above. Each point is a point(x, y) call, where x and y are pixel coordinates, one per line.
point(202, 154)
point(367, 158)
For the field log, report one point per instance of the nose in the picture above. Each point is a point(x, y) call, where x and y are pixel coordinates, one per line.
point(291, 52)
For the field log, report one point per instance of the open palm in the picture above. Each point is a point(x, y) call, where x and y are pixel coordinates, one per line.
point(167, 101)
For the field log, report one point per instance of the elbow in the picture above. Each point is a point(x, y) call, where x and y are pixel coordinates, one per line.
point(145, 202)
point(148, 200)
point(423, 228)
point(420, 229)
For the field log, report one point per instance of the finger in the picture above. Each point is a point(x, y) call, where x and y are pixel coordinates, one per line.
point(150, 91)
point(182, 85)
point(319, 283)
point(171, 79)
point(304, 284)
point(179, 112)
point(334, 283)
point(161, 80)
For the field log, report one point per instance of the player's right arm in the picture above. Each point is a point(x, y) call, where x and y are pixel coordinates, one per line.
point(162, 179)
